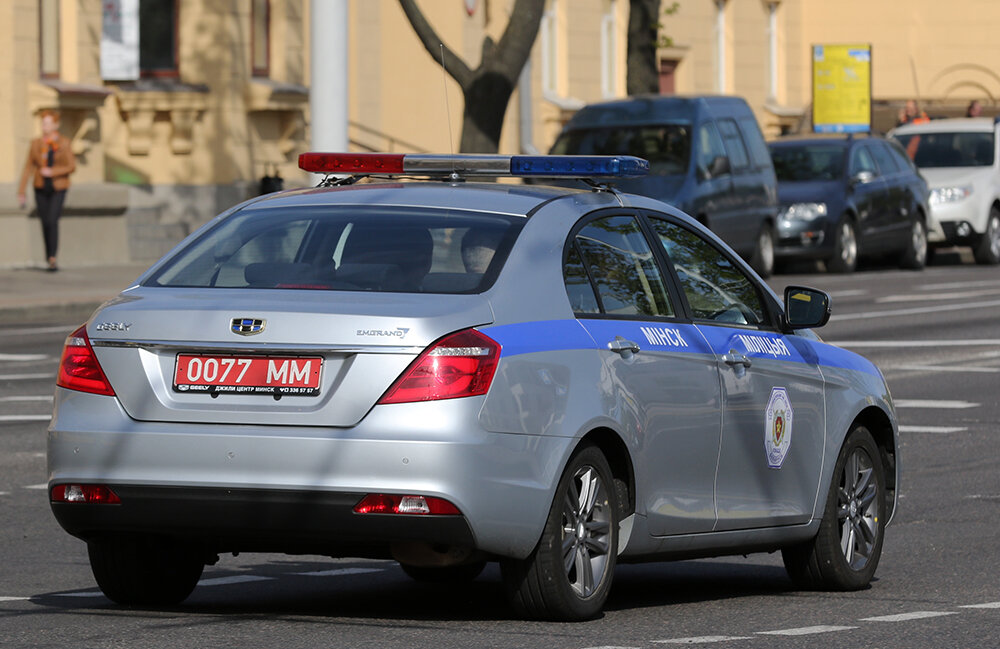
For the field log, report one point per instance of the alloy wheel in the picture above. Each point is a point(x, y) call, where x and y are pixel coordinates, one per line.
point(857, 509)
point(586, 528)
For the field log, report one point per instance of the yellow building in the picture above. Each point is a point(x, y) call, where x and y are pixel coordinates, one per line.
point(177, 108)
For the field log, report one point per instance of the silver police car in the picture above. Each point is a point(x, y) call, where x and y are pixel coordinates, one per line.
point(448, 373)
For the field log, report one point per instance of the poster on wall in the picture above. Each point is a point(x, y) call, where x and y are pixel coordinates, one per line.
point(120, 40)
point(842, 88)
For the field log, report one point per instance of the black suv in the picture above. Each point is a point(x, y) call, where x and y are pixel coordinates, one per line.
point(707, 157)
point(844, 196)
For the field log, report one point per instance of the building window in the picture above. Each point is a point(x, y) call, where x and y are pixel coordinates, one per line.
point(158, 38)
point(261, 37)
point(550, 47)
point(609, 49)
point(668, 76)
point(48, 27)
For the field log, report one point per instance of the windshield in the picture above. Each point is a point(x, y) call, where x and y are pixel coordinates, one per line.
point(666, 146)
point(346, 248)
point(808, 162)
point(963, 149)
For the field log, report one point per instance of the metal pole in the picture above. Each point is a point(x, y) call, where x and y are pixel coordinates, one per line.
point(329, 70)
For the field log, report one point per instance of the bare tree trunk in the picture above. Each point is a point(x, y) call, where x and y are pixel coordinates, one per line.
point(643, 27)
point(488, 88)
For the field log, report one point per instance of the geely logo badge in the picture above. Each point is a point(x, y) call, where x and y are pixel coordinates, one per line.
point(248, 326)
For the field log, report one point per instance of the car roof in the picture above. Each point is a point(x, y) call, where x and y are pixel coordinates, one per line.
point(824, 138)
point(969, 124)
point(497, 198)
point(648, 109)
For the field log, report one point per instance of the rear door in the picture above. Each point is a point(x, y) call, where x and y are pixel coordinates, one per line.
point(659, 379)
point(773, 417)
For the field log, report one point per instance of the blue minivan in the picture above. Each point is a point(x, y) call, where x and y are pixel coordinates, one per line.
point(707, 157)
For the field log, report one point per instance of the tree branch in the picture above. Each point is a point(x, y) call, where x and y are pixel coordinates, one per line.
point(515, 45)
point(454, 65)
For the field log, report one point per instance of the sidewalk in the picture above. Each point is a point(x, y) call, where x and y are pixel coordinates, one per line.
point(33, 295)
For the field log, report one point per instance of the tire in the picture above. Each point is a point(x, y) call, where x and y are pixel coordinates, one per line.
point(444, 574)
point(565, 579)
point(144, 570)
point(914, 257)
point(845, 248)
point(845, 553)
point(987, 251)
point(763, 254)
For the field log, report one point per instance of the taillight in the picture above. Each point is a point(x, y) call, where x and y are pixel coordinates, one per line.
point(397, 504)
point(459, 365)
point(89, 494)
point(79, 369)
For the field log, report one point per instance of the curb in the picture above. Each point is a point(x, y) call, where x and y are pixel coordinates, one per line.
point(70, 312)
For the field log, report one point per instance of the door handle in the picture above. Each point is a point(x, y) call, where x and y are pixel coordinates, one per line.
point(621, 346)
point(736, 358)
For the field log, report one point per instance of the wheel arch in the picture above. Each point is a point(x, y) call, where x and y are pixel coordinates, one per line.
point(880, 426)
point(619, 459)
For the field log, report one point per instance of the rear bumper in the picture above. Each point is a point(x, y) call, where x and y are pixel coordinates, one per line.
point(260, 520)
point(282, 488)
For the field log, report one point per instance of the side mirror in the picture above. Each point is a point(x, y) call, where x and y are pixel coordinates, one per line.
point(862, 177)
point(806, 308)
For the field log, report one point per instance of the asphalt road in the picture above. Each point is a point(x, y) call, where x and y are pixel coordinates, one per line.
point(934, 334)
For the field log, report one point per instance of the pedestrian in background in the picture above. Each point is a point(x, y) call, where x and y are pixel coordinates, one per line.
point(975, 109)
point(50, 162)
point(912, 114)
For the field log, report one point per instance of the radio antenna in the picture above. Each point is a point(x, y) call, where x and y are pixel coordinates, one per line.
point(447, 108)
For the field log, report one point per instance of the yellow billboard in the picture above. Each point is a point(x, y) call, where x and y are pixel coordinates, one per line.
point(842, 88)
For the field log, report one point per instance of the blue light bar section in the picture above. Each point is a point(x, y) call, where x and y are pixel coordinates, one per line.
point(580, 166)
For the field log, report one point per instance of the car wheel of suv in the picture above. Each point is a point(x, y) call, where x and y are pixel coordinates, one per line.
point(987, 251)
point(568, 575)
point(144, 569)
point(763, 255)
point(914, 257)
point(845, 248)
point(845, 552)
point(444, 574)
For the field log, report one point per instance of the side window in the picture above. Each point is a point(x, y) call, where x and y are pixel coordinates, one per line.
point(899, 155)
point(709, 146)
point(759, 154)
point(884, 159)
point(715, 288)
point(861, 160)
point(734, 144)
point(621, 264)
point(578, 288)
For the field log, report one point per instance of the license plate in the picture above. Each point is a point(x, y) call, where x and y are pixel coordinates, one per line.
point(274, 375)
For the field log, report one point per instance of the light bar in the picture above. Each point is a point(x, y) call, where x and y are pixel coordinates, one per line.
point(461, 165)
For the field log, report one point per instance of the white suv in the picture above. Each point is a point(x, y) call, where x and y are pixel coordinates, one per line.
point(959, 159)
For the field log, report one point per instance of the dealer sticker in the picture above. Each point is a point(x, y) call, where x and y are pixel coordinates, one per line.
point(777, 427)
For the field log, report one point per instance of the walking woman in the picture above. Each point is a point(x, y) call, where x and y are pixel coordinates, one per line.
point(50, 162)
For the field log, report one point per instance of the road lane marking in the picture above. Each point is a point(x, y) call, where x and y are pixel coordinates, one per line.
point(91, 593)
point(851, 292)
point(38, 330)
point(961, 306)
point(808, 630)
point(17, 418)
point(25, 398)
point(942, 368)
point(986, 605)
point(947, 285)
point(339, 571)
point(25, 377)
point(705, 639)
point(980, 342)
point(23, 357)
point(935, 403)
point(906, 617)
point(235, 579)
point(13, 599)
point(935, 296)
point(942, 430)
point(38, 487)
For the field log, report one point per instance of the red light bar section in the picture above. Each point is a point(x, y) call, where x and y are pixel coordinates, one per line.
point(352, 163)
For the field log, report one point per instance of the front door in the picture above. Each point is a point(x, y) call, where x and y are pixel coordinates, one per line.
point(772, 389)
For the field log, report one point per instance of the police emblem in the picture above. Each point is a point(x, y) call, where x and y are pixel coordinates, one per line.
point(777, 427)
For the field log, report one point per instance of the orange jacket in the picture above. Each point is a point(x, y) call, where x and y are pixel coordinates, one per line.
point(64, 164)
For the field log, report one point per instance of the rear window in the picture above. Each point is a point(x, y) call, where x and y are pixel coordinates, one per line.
point(347, 249)
point(666, 146)
point(962, 149)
